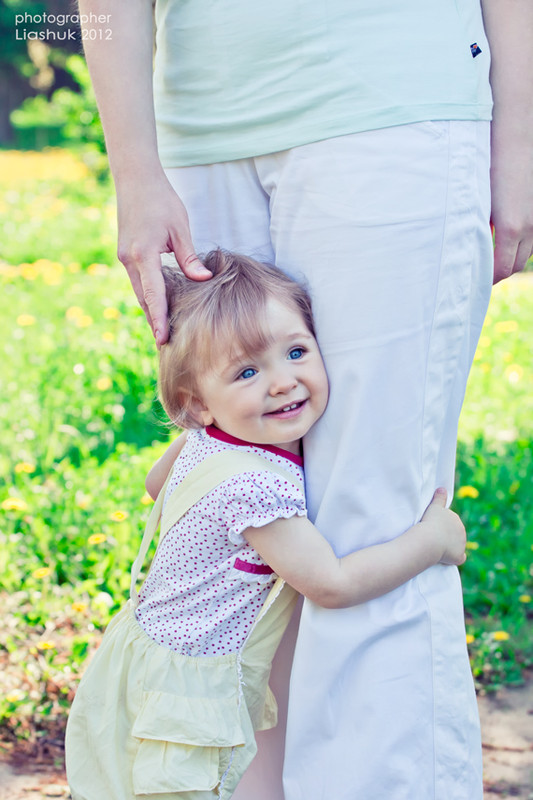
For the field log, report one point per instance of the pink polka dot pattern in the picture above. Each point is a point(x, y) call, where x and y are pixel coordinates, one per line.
point(194, 600)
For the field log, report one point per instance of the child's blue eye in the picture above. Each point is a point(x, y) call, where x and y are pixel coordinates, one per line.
point(296, 352)
point(249, 372)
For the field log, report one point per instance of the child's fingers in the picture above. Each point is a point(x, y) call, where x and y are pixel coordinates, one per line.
point(440, 497)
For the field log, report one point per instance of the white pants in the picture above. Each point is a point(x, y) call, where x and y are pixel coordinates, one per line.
point(391, 230)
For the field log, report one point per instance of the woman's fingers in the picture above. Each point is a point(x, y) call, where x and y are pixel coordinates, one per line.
point(191, 266)
point(511, 252)
point(154, 297)
point(150, 225)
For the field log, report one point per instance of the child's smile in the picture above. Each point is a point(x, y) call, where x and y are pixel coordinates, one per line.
point(270, 397)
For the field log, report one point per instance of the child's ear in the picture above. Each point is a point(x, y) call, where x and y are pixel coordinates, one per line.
point(200, 412)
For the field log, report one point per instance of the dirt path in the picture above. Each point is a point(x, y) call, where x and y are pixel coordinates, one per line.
point(506, 721)
point(507, 726)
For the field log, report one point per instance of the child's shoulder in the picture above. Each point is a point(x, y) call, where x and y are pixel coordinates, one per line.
point(253, 496)
point(202, 443)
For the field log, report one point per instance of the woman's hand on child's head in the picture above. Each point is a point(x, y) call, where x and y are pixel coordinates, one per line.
point(151, 222)
point(448, 527)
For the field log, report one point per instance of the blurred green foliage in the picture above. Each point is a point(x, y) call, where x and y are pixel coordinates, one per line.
point(66, 118)
point(80, 426)
point(46, 97)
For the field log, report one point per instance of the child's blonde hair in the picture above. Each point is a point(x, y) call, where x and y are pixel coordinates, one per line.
point(227, 308)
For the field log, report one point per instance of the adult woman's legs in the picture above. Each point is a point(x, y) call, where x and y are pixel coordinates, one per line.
point(391, 230)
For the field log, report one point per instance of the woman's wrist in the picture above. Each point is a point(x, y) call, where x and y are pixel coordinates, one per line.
point(132, 176)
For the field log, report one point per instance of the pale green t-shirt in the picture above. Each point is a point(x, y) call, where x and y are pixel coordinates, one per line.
point(238, 78)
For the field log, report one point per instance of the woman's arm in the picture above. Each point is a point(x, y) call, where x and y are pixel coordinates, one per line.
point(159, 472)
point(509, 27)
point(151, 217)
point(298, 553)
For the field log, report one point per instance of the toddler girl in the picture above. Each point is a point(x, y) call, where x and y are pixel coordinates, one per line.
point(170, 703)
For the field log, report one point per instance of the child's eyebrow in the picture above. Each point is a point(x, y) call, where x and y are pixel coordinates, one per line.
point(235, 361)
point(300, 335)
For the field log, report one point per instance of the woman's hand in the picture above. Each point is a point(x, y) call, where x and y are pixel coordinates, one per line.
point(509, 27)
point(446, 525)
point(512, 196)
point(153, 220)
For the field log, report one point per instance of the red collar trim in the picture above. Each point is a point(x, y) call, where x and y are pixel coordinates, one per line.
point(222, 436)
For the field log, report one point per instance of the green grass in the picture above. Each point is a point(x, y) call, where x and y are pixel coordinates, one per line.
point(80, 427)
point(495, 457)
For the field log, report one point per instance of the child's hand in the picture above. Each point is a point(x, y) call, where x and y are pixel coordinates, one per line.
point(447, 526)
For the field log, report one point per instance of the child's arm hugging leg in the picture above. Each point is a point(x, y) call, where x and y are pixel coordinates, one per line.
point(297, 552)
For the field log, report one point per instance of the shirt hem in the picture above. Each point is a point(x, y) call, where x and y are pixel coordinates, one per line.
point(254, 145)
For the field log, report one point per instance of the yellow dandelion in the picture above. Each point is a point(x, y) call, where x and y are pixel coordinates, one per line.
point(73, 313)
point(97, 269)
point(111, 313)
point(25, 320)
point(14, 504)
point(146, 500)
point(500, 636)
point(52, 277)
point(51, 271)
point(84, 321)
point(472, 545)
point(15, 696)
point(484, 341)
point(107, 336)
point(42, 572)
point(119, 516)
point(17, 166)
point(104, 383)
point(484, 367)
point(8, 271)
point(29, 272)
point(97, 538)
point(467, 491)
point(525, 598)
point(506, 326)
point(47, 645)
point(507, 357)
point(514, 487)
point(25, 466)
point(470, 638)
point(514, 373)
point(79, 607)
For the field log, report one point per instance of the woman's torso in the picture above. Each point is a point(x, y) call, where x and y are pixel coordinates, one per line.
point(235, 79)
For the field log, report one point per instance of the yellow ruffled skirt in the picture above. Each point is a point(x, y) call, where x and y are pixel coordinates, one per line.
point(149, 721)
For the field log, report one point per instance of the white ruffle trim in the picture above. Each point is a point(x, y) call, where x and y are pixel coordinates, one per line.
point(235, 532)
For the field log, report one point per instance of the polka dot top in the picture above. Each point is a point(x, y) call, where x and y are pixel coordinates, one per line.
point(206, 585)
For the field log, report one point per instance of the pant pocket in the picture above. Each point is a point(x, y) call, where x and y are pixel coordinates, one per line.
point(183, 742)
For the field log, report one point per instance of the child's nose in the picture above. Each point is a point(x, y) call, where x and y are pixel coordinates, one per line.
point(283, 383)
